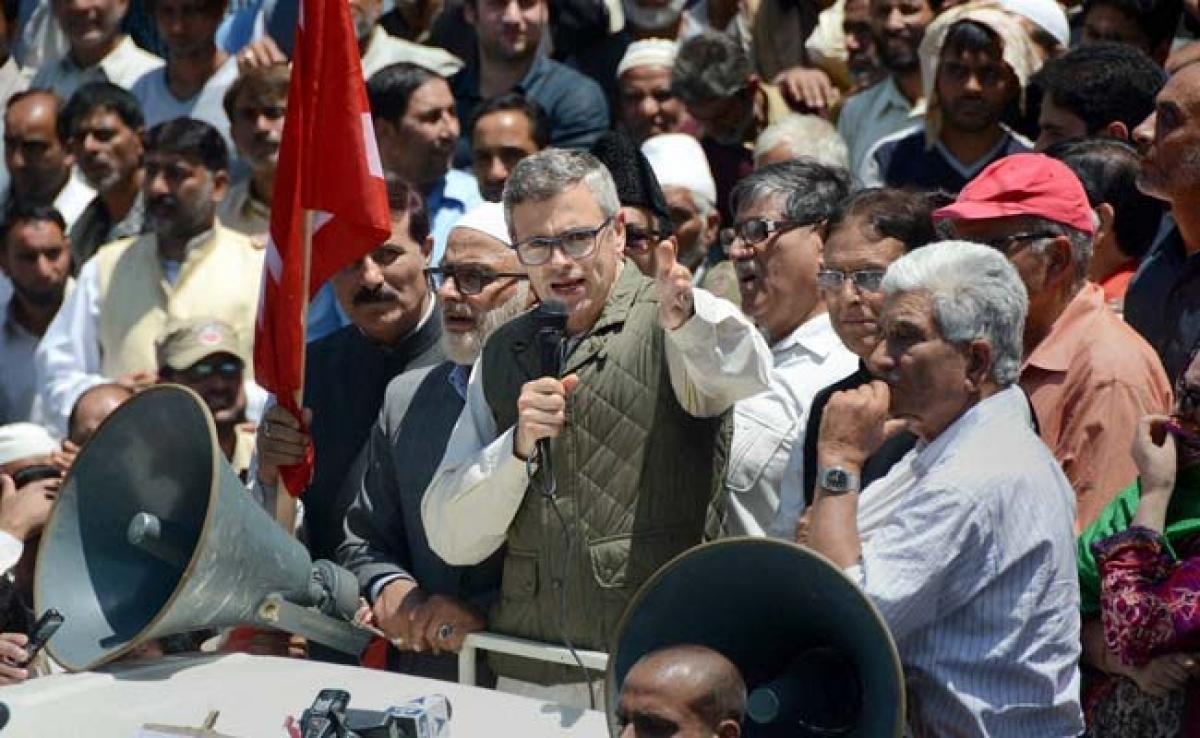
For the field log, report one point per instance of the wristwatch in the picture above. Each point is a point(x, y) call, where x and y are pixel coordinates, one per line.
point(837, 480)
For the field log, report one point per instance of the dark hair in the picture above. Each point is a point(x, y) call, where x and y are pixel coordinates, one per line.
point(12, 8)
point(27, 212)
point(261, 83)
point(1108, 169)
point(709, 66)
point(1156, 19)
point(538, 120)
point(810, 189)
point(968, 36)
point(104, 96)
point(1103, 82)
point(404, 199)
point(905, 215)
point(192, 138)
point(212, 6)
point(390, 88)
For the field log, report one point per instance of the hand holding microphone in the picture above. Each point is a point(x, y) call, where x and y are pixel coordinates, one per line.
point(542, 406)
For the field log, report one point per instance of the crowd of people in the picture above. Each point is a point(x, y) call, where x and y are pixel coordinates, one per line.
point(908, 282)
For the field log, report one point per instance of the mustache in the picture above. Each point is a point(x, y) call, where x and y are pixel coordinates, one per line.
point(374, 295)
point(163, 202)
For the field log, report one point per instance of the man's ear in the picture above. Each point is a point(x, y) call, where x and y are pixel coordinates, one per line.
point(1060, 260)
point(1107, 217)
point(728, 729)
point(220, 185)
point(1116, 129)
point(469, 12)
point(427, 250)
point(979, 363)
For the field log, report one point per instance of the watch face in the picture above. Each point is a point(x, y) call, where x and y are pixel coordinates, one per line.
point(837, 479)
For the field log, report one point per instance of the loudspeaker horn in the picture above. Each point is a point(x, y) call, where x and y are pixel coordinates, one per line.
point(153, 534)
point(816, 656)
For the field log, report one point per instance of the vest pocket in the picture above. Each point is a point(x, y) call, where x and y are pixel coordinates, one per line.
point(627, 560)
point(520, 581)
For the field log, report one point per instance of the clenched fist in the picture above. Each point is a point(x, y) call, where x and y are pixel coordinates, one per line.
point(541, 411)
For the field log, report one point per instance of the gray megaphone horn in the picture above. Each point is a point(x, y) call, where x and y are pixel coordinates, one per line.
point(154, 534)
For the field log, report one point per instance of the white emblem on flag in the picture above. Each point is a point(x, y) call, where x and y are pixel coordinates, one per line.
point(274, 261)
point(320, 218)
point(374, 165)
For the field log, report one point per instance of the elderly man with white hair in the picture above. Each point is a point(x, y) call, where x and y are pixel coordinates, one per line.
point(416, 598)
point(799, 135)
point(645, 104)
point(975, 573)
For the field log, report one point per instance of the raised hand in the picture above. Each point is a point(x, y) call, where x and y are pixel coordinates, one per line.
point(676, 303)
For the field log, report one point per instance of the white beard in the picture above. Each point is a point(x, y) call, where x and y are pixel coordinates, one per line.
point(464, 348)
point(652, 19)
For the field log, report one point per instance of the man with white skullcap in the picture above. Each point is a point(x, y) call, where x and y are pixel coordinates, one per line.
point(645, 105)
point(27, 453)
point(682, 170)
point(1046, 23)
point(426, 606)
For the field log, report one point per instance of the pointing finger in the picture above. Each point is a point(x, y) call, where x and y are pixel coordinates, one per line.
point(664, 258)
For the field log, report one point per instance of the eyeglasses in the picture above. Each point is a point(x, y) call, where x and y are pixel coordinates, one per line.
point(469, 279)
point(641, 239)
point(1004, 243)
point(575, 243)
point(756, 230)
point(867, 280)
point(229, 368)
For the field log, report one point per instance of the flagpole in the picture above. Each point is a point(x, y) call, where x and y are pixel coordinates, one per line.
point(285, 503)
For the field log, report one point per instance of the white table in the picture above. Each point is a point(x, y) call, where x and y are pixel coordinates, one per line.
point(256, 694)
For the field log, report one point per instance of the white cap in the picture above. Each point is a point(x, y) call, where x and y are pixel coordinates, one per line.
point(23, 440)
point(651, 52)
point(1047, 14)
point(679, 161)
point(487, 218)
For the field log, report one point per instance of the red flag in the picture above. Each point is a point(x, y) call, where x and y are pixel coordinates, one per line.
point(328, 166)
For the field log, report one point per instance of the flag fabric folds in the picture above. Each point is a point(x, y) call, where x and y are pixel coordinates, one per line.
point(330, 202)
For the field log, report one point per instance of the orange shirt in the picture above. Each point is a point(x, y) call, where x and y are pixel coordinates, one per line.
point(1116, 284)
point(1090, 381)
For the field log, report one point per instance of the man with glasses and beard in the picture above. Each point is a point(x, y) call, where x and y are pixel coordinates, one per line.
point(184, 265)
point(395, 326)
point(634, 477)
point(897, 102)
point(204, 356)
point(426, 606)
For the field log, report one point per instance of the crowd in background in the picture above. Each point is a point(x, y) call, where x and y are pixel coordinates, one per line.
point(911, 283)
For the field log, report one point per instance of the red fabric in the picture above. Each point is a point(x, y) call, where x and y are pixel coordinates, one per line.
point(1024, 184)
point(329, 164)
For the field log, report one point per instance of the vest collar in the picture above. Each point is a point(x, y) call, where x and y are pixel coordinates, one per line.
point(591, 345)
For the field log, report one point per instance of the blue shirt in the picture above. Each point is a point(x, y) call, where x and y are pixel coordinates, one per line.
point(454, 194)
point(1163, 301)
point(575, 104)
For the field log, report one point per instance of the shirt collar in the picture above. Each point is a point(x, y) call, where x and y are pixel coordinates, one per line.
point(1007, 401)
point(815, 335)
point(1055, 351)
point(892, 97)
point(453, 187)
point(540, 68)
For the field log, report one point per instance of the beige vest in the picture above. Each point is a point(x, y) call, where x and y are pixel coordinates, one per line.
point(219, 279)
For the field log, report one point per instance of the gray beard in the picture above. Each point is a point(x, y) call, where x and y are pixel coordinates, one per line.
point(464, 348)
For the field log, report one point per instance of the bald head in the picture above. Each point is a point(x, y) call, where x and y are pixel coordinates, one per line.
point(90, 410)
point(686, 691)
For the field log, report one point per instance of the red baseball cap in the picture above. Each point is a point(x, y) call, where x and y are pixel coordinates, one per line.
point(1024, 184)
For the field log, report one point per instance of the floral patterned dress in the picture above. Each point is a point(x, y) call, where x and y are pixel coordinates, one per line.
point(1149, 606)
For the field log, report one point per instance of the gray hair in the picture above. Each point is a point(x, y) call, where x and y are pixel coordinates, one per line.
point(709, 66)
point(551, 172)
point(809, 188)
point(1081, 242)
point(976, 294)
point(805, 136)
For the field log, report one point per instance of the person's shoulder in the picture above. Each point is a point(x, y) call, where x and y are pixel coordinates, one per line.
point(404, 386)
point(463, 187)
point(229, 238)
point(560, 83)
point(904, 138)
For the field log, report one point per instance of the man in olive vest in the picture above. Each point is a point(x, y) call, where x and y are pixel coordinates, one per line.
point(633, 422)
point(185, 265)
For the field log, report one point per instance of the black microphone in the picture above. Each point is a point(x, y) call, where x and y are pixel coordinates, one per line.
point(550, 326)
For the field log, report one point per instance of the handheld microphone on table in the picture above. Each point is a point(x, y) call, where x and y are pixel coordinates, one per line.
point(550, 319)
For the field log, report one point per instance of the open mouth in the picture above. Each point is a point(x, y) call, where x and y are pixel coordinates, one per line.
point(569, 287)
point(458, 323)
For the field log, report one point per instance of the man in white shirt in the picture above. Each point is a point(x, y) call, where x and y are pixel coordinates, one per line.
point(975, 575)
point(379, 48)
point(650, 366)
point(775, 244)
point(98, 52)
point(197, 72)
point(38, 160)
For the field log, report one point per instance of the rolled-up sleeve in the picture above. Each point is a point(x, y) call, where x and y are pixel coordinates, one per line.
point(477, 489)
point(716, 358)
point(67, 362)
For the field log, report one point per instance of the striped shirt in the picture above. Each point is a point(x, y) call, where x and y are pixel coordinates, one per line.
point(975, 576)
